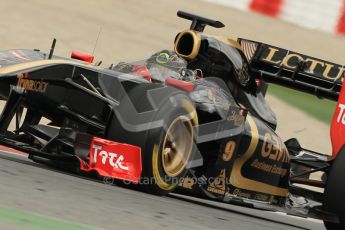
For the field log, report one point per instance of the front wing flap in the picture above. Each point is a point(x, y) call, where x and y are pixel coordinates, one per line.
point(113, 159)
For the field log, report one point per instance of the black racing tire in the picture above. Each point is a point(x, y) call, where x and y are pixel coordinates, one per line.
point(334, 192)
point(159, 177)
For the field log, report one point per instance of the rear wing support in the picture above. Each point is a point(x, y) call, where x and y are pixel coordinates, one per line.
point(294, 70)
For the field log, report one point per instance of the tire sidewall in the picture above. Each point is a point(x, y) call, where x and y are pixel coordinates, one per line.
point(153, 170)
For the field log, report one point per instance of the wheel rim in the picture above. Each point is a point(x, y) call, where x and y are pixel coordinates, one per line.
point(177, 146)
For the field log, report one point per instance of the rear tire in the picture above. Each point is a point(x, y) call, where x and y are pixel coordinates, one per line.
point(334, 192)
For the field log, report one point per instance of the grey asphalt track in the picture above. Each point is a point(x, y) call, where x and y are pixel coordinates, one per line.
point(133, 30)
point(49, 193)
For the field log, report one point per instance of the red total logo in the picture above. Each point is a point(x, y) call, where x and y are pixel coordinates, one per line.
point(341, 114)
point(115, 160)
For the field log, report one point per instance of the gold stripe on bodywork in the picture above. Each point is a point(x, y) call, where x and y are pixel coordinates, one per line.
point(226, 40)
point(34, 64)
point(238, 180)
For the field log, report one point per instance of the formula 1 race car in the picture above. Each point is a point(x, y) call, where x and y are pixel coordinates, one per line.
point(193, 121)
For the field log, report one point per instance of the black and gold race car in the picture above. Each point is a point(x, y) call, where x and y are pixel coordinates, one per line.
point(192, 120)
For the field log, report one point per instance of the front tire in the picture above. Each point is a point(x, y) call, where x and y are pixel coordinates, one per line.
point(168, 152)
point(167, 149)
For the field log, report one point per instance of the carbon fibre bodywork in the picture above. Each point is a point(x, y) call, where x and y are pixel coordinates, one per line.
point(54, 89)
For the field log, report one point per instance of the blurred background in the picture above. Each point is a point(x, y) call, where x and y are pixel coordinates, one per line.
point(118, 30)
point(132, 30)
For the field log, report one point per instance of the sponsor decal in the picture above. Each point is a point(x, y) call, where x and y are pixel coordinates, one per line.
point(187, 182)
point(274, 149)
point(218, 184)
point(113, 159)
point(341, 115)
point(251, 171)
point(229, 150)
point(338, 124)
point(237, 192)
point(273, 154)
point(31, 85)
point(274, 169)
point(290, 60)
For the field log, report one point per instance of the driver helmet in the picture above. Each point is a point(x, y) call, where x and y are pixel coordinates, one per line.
point(167, 63)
